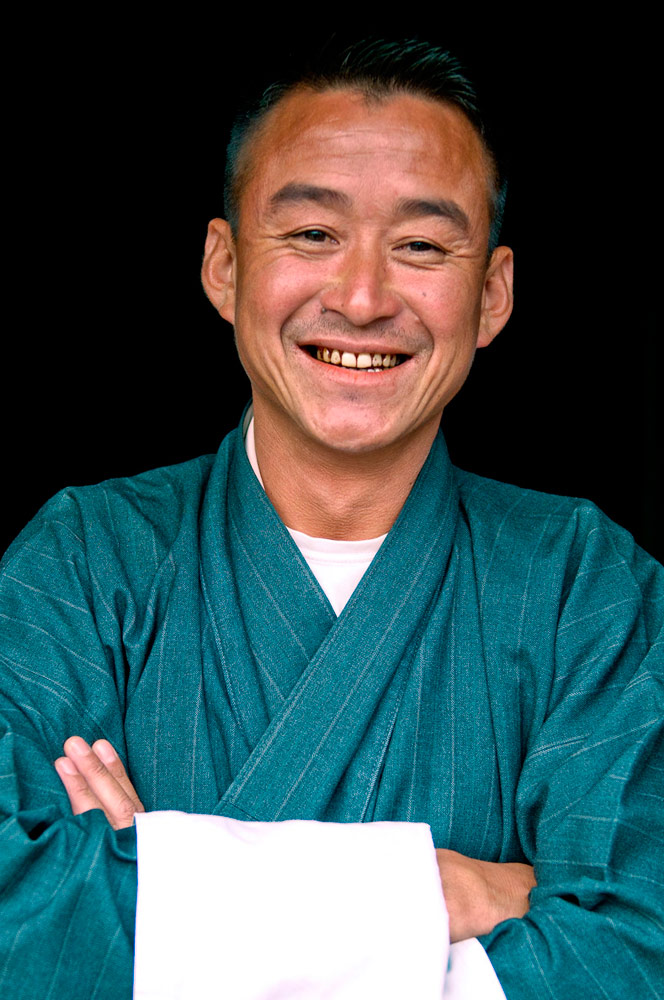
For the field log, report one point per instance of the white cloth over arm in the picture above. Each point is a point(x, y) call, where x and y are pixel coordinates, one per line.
point(298, 909)
point(295, 909)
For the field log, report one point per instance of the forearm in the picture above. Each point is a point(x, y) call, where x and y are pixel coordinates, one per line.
point(566, 952)
point(68, 890)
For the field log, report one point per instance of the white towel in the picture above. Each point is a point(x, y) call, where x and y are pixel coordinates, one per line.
point(282, 911)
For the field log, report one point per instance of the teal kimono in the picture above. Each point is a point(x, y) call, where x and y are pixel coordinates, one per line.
point(496, 674)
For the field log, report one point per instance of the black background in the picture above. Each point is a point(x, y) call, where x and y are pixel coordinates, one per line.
point(114, 362)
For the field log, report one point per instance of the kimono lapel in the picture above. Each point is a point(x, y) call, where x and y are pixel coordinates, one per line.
point(325, 685)
point(267, 612)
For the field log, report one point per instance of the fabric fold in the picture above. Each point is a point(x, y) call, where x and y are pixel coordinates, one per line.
point(353, 670)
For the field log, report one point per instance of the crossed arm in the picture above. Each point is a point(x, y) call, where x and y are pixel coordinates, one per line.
point(478, 894)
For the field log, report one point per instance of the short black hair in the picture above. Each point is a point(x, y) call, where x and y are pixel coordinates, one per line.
point(378, 69)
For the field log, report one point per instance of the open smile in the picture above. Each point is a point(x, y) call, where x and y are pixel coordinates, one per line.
point(370, 362)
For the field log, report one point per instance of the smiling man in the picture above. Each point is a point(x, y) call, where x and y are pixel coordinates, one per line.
point(327, 621)
point(359, 288)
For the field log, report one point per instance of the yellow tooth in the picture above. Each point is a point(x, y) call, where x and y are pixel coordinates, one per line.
point(393, 361)
point(335, 358)
point(364, 361)
point(318, 354)
point(348, 360)
point(376, 361)
point(326, 354)
point(386, 360)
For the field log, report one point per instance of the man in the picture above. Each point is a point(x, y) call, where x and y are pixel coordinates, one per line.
point(495, 672)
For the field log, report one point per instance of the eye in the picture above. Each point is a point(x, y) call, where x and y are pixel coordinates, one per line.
point(421, 246)
point(312, 235)
point(420, 253)
point(311, 241)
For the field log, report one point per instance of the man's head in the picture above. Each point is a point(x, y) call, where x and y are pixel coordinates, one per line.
point(377, 69)
point(356, 272)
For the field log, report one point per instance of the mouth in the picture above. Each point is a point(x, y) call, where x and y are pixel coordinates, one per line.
point(368, 362)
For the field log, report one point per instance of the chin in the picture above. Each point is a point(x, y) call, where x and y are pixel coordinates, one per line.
point(352, 438)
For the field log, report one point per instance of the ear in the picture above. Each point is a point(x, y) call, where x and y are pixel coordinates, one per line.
point(218, 272)
point(497, 297)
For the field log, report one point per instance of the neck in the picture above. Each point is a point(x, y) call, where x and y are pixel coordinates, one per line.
point(329, 493)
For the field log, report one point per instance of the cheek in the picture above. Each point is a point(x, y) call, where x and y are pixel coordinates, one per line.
point(274, 292)
point(450, 313)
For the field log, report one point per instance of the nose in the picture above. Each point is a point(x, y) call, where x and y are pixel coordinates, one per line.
point(361, 290)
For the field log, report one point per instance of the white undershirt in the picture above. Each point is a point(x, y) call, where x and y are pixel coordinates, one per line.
point(337, 565)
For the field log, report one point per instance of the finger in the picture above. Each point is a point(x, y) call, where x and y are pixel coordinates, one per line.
point(106, 753)
point(118, 806)
point(81, 798)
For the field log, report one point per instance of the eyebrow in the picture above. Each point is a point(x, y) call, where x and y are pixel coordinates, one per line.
point(327, 197)
point(412, 208)
point(406, 208)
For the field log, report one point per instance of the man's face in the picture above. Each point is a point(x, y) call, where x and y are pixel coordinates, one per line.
point(359, 287)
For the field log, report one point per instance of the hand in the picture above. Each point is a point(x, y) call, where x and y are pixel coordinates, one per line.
point(94, 778)
point(479, 894)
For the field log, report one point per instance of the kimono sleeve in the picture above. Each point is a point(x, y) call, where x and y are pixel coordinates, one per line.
point(67, 884)
point(590, 799)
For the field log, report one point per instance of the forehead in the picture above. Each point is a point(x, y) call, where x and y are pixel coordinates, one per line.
point(339, 137)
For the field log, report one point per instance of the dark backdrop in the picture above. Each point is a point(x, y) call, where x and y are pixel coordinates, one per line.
point(114, 361)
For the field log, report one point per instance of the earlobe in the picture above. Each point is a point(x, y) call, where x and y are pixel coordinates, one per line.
point(498, 296)
point(218, 272)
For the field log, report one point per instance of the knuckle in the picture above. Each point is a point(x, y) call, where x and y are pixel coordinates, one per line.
point(95, 767)
point(118, 771)
point(80, 785)
point(124, 814)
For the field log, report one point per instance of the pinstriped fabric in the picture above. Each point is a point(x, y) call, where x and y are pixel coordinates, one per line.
point(496, 674)
point(418, 678)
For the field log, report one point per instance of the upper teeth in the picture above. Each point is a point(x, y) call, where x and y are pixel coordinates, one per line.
point(349, 360)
